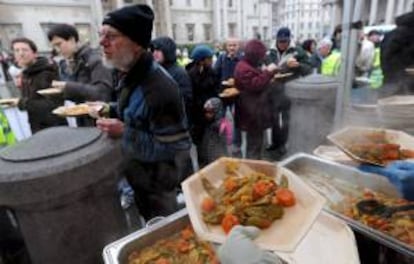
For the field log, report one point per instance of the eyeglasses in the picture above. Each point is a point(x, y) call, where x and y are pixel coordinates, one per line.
point(110, 36)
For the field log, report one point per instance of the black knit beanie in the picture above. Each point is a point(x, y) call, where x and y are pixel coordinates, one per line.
point(134, 21)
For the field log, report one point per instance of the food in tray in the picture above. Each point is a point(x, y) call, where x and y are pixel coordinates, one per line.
point(375, 147)
point(250, 199)
point(183, 247)
point(229, 92)
point(393, 216)
point(73, 110)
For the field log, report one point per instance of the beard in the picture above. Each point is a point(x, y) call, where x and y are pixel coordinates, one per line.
point(123, 60)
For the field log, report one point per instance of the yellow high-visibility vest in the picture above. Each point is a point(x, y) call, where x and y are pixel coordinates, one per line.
point(6, 134)
point(376, 77)
point(331, 64)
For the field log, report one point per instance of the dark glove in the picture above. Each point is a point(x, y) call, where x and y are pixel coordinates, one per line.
point(399, 173)
point(239, 248)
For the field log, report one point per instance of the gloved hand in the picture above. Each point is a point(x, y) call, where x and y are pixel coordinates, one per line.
point(399, 173)
point(239, 248)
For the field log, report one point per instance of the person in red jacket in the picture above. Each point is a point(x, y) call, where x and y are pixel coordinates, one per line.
point(253, 109)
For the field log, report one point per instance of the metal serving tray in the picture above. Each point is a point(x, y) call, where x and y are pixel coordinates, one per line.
point(334, 180)
point(118, 251)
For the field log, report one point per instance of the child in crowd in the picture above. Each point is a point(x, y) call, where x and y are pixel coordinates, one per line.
point(217, 133)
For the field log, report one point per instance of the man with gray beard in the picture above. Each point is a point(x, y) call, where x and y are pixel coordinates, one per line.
point(149, 114)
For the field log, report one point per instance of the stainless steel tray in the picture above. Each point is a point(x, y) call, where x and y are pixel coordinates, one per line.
point(118, 251)
point(334, 180)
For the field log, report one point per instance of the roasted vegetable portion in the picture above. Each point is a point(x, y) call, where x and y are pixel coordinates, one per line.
point(183, 247)
point(251, 199)
point(393, 216)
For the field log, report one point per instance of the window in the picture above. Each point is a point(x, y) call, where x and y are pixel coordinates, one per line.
point(188, 2)
point(232, 29)
point(255, 8)
point(230, 2)
point(8, 32)
point(171, 2)
point(190, 32)
point(174, 31)
point(205, 3)
point(128, 1)
point(207, 32)
point(301, 25)
point(310, 25)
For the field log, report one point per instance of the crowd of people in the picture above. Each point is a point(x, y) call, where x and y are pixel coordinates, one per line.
point(160, 104)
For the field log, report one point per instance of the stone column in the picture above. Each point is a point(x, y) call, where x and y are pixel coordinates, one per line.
point(400, 7)
point(216, 20)
point(389, 13)
point(333, 17)
point(119, 3)
point(239, 19)
point(225, 20)
point(373, 12)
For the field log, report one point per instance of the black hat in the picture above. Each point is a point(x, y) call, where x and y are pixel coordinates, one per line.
point(134, 21)
point(283, 34)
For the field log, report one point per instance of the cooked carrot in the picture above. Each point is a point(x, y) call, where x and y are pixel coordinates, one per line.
point(285, 197)
point(187, 233)
point(230, 184)
point(261, 188)
point(208, 204)
point(228, 222)
point(162, 261)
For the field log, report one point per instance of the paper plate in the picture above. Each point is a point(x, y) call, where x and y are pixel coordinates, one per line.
point(9, 101)
point(73, 110)
point(284, 234)
point(330, 240)
point(49, 91)
point(345, 137)
point(333, 153)
point(229, 92)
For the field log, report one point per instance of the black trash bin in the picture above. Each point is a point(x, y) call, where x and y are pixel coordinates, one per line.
point(61, 184)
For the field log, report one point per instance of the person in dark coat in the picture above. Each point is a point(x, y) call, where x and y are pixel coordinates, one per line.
point(38, 73)
point(205, 86)
point(149, 115)
point(82, 73)
point(397, 54)
point(213, 144)
point(254, 105)
point(290, 59)
point(224, 67)
point(164, 52)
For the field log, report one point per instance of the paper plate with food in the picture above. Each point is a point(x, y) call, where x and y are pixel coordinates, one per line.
point(9, 101)
point(231, 192)
point(229, 82)
point(50, 91)
point(374, 145)
point(229, 92)
point(72, 110)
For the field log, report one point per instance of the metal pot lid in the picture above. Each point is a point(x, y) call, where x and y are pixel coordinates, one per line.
point(50, 143)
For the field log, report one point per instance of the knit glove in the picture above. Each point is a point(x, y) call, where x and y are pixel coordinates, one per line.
point(239, 248)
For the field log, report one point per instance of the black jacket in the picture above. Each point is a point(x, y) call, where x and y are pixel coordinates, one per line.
point(39, 108)
point(397, 50)
point(87, 80)
point(179, 74)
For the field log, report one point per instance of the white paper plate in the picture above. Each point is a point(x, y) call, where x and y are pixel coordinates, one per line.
point(329, 241)
point(284, 234)
point(73, 110)
point(344, 137)
point(9, 101)
point(49, 91)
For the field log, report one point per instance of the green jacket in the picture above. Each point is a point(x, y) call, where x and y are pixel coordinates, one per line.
point(6, 134)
